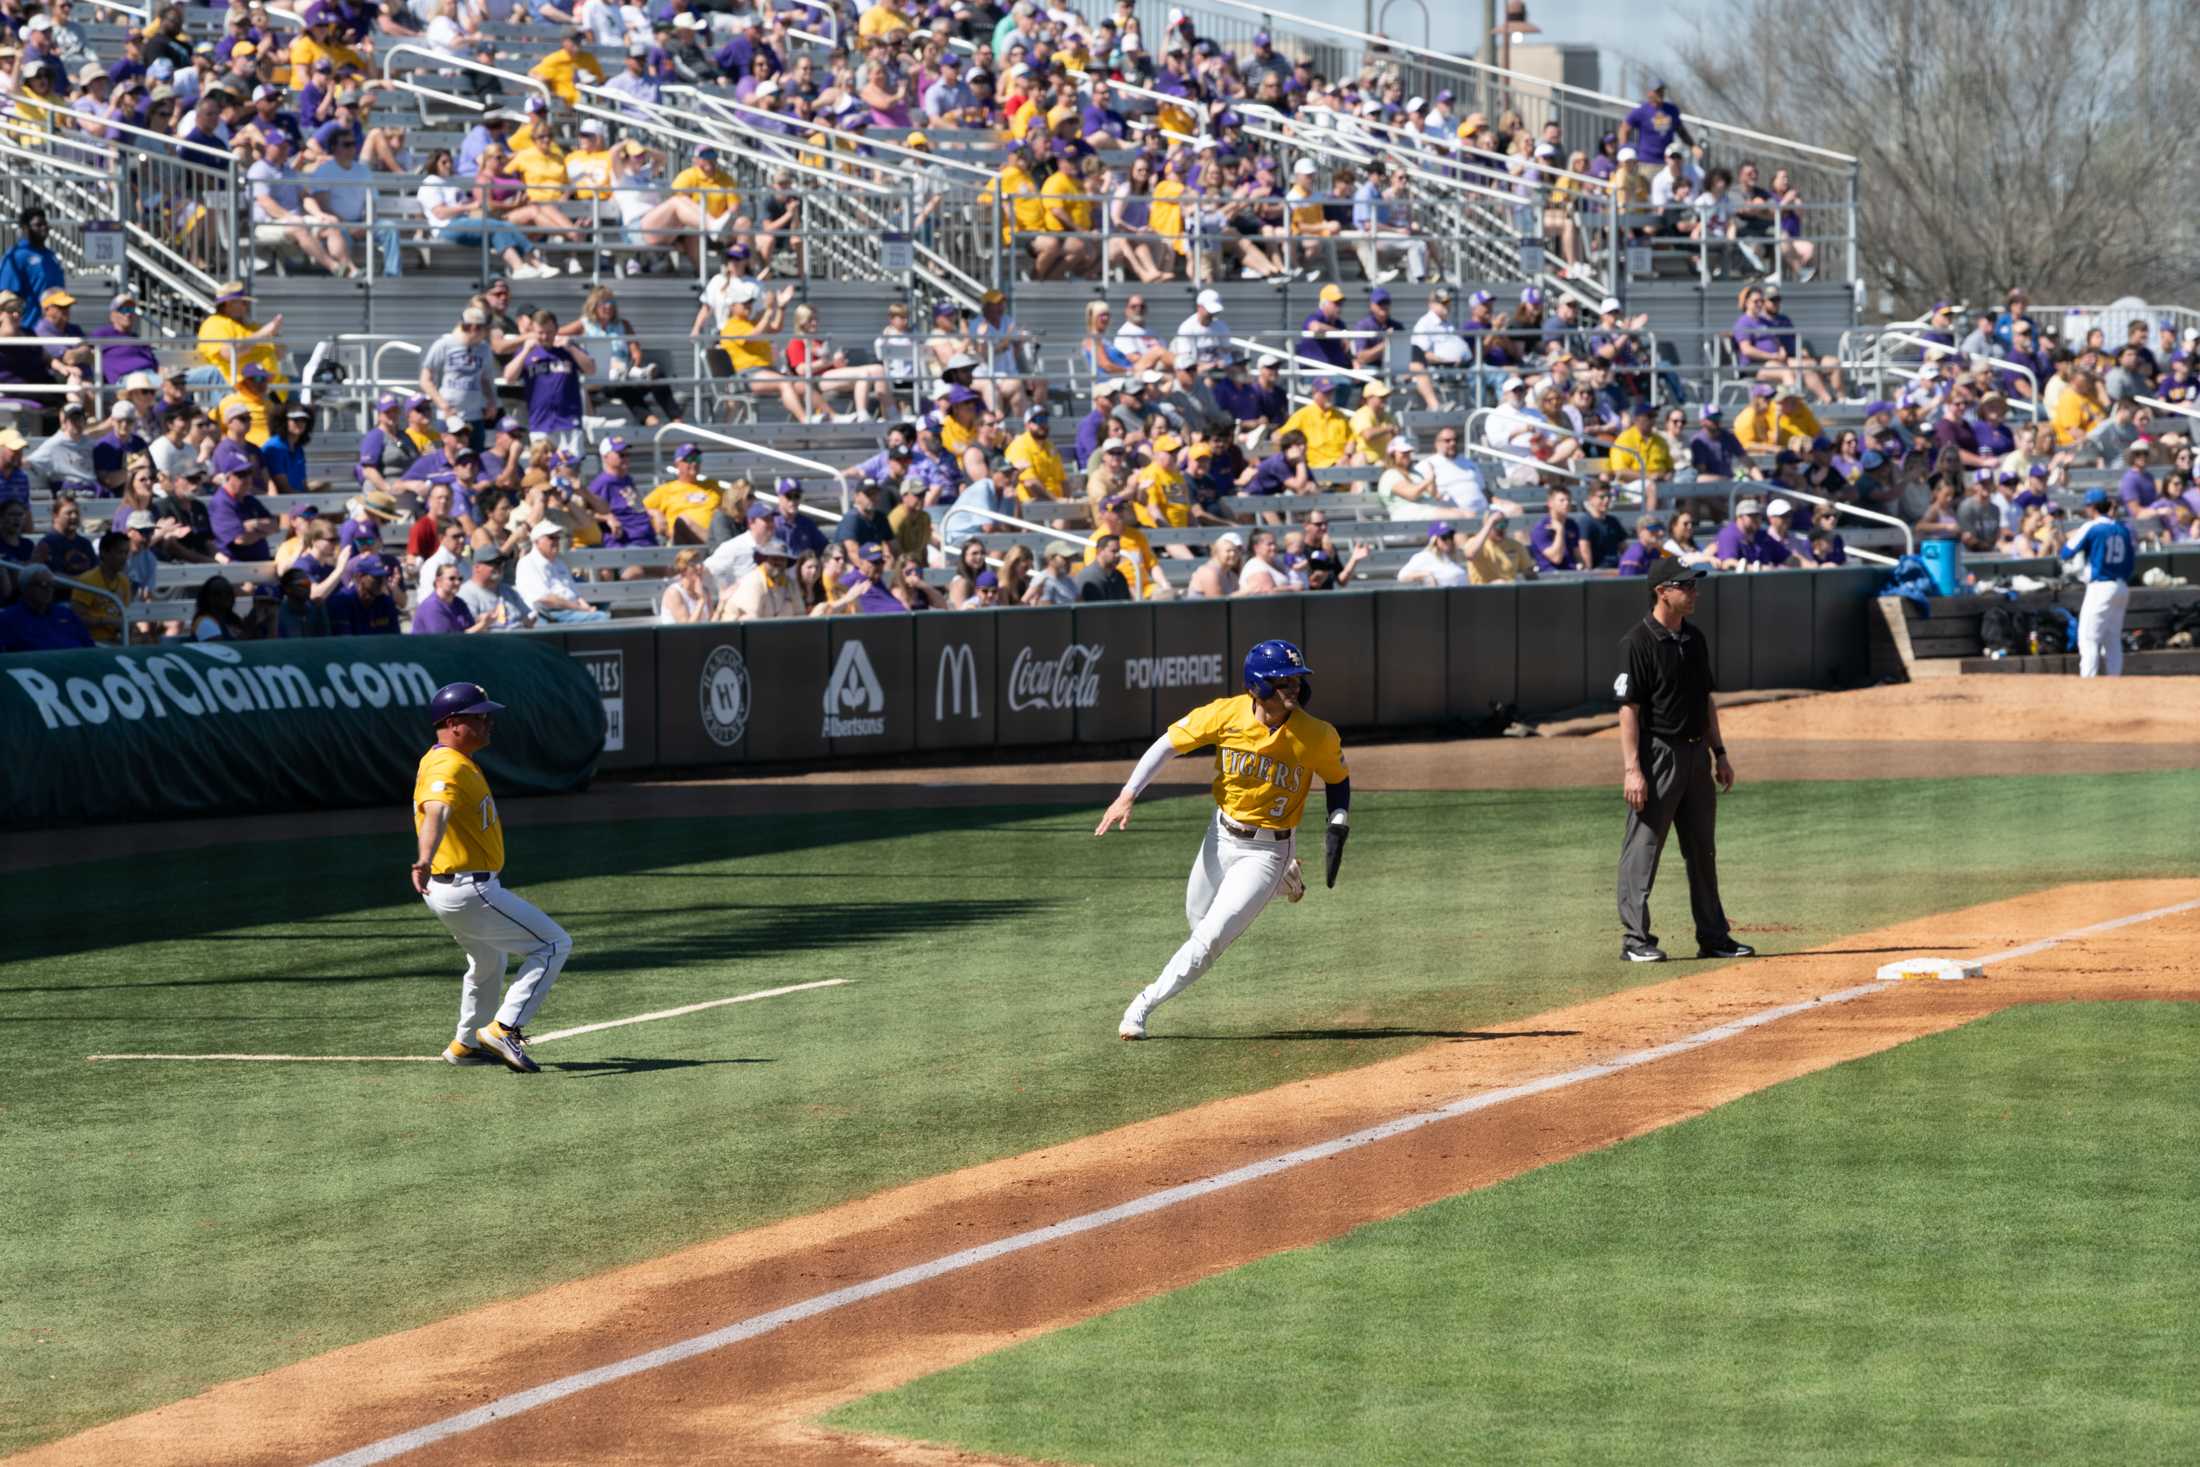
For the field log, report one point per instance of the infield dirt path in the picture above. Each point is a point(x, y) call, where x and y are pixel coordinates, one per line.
point(752, 1402)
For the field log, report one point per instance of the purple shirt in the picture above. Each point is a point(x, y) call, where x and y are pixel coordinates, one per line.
point(1654, 125)
point(617, 490)
point(1274, 472)
point(875, 600)
point(553, 390)
point(121, 354)
point(1758, 549)
point(1636, 559)
point(227, 513)
point(432, 618)
point(1750, 331)
point(353, 615)
point(1566, 536)
point(2137, 488)
point(1329, 350)
point(234, 453)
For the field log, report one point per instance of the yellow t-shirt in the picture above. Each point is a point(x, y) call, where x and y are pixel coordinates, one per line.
point(1635, 453)
point(1164, 497)
point(544, 172)
point(1164, 215)
point(473, 840)
point(257, 403)
point(692, 504)
point(954, 437)
point(881, 20)
point(1373, 433)
point(1305, 213)
point(2075, 416)
point(588, 171)
point(99, 615)
point(1027, 452)
point(743, 347)
point(1026, 212)
point(559, 69)
point(1262, 774)
point(712, 188)
point(1498, 560)
point(1064, 211)
point(218, 329)
point(1327, 434)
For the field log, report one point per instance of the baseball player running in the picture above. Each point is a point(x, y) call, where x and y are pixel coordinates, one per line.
point(461, 852)
point(2103, 553)
point(1267, 749)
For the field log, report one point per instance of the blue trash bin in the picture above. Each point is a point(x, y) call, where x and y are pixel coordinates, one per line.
point(1944, 562)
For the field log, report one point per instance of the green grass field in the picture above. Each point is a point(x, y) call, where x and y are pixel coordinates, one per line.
point(1973, 1248)
point(160, 1219)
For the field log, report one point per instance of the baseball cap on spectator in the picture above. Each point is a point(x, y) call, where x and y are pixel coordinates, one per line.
point(299, 413)
point(637, 50)
point(1106, 387)
point(72, 410)
point(872, 551)
point(611, 445)
point(1332, 293)
point(1777, 507)
point(2096, 496)
point(375, 565)
point(1210, 301)
point(508, 424)
point(122, 410)
point(236, 410)
point(959, 394)
point(9, 438)
point(758, 510)
point(1760, 389)
point(1608, 306)
point(1710, 412)
point(1114, 445)
point(417, 402)
point(1322, 384)
point(741, 292)
point(1877, 407)
point(1167, 443)
point(1376, 389)
point(2037, 471)
point(1511, 385)
point(2009, 476)
point(57, 297)
point(1530, 296)
point(141, 519)
point(547, 529)
point(1751, 506)
point(454, 424)
point(687, 451)
point(1378, 297)
point(1151, 378)
point(1442, 293)
point(1872, 458)
point(1441, 530)
point(1627, 155)
point(988, 581)
point(1304, 168)
point(787, 484)
point(1480, 298)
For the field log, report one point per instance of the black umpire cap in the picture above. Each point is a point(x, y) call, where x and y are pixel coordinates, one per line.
point(1669, 571)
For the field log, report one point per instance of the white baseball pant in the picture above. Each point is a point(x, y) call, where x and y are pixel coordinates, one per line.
point(492, 925)
point(1231, 881)
point(2101, 628)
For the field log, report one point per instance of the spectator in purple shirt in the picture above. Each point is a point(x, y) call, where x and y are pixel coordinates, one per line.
point(1742, 542)
point(1318, 342)
point(1284, 471)
point(2142, 500)
point(1646, 548)
point(235, 452)
point(1715, 453)
point(615, 487)
point(1654, 124)
point(365, 608)
point(553, 371)
point(121, 352)
point(441, 613)
point(241, 523)
point(40, 621)
point(1555, 540)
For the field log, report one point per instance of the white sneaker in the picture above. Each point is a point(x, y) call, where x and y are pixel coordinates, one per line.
point(1294, 881)
point(572, 266)
point(1130, 1028)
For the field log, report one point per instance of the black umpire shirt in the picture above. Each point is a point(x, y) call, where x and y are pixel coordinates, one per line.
point(1669, 676)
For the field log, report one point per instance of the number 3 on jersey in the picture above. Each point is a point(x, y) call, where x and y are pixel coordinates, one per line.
point(1275, 811)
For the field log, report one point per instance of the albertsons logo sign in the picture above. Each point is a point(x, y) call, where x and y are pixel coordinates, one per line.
point(855, 704)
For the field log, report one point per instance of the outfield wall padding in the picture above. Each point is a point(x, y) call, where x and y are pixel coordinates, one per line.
point(218, 728)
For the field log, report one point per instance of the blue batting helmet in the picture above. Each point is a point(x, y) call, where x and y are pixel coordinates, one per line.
point(454, 700)
point(1274, 659)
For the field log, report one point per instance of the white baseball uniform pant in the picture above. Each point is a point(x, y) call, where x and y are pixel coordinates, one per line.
point(1234, 877)
point(492, 926)
point(2101, 628)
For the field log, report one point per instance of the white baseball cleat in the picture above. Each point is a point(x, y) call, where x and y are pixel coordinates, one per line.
point(1130, 1029)
point(1294, 881)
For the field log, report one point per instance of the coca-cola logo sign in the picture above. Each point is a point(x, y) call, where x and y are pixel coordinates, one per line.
point(1071, 680)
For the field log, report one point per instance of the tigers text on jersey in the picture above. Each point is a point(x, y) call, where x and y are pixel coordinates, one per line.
point(1262, 774)
point(473, 838)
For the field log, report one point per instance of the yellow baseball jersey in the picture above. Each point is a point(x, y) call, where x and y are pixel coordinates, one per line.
point(1262, 774)
point(473, 838)
point(1164, 498)
point(693, 503)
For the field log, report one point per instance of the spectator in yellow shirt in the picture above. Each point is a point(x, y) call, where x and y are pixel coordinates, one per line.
point(1327, 430)
point(750, 316)
point(1033, 451)
point(588, 167)
point(1023, 213)
point(883, 19)
point(562, 67)
point(1071, 197)
point(1164, 495)
point(2079, 410)
point(251, 395)
point(1640, 451)
point(1139, 564)
point(711, 187)
point(681, 508)
point(1373, 426)
point(542, 165)
point(229, 340)
point(959, 428)
point(1771, 420)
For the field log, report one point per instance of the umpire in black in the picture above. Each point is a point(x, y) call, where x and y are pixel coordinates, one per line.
point(1670, 754)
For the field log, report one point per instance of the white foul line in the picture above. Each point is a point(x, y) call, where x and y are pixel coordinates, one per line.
point(761, 1324)
point(360, 1059)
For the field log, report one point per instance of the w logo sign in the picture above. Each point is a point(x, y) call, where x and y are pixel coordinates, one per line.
point(854, 689)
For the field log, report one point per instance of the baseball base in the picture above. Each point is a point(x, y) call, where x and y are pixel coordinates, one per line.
point(1946, 970)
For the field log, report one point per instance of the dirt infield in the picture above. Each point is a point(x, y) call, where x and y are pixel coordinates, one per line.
point(752, 1401)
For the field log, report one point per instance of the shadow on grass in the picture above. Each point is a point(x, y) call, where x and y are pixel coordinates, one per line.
point(598, 1069)
point(1477, 1035)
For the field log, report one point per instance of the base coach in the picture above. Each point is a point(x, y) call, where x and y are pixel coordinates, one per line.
point(1670, 754)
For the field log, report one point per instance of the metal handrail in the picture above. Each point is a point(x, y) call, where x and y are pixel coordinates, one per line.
point(122, 608)
point(1781, 491)
point(707, 435)
point(441, 59)
point(931, 161)
point(1470, 66)
point(1904, 338)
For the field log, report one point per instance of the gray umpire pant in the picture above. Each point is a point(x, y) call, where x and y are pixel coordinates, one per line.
point(1683, 797)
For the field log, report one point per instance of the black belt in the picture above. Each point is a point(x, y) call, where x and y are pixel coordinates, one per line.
point(464, 878)
point(1252, 832)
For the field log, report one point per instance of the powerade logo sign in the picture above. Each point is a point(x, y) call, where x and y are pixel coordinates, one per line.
point(1198, 671)
point(854, 689)
point(204, 679)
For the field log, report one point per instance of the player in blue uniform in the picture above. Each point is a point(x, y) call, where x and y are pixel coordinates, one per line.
point(2103, 554)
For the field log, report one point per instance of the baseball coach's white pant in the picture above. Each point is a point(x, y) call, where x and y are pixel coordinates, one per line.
point(492, 925)
point(1234, 877)
point(2101, 628)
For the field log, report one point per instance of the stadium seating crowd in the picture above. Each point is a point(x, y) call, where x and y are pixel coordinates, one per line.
point(1411, 428)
